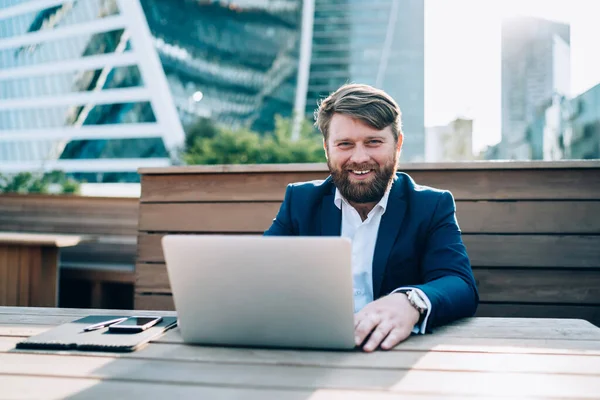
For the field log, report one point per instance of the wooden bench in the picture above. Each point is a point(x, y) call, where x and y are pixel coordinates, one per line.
point(532, 229)
point(29, 267)
point(93, 274)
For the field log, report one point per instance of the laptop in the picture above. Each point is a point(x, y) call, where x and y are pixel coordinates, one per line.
point(262, 291)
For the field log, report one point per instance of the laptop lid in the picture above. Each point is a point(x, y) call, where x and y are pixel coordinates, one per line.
point(293, 292)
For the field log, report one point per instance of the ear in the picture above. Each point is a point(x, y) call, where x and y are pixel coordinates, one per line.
point(400, 141)
point(325, 148)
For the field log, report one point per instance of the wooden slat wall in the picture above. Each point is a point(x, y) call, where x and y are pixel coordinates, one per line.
point(113, 220)
point(532, 230)
point(109, 259)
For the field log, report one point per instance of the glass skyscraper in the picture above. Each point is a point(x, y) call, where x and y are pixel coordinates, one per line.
point(80, 92)
point(376, 42)
point(241, 55)
point(535, 69)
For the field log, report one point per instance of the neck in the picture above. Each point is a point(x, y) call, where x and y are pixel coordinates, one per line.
point(363, 209)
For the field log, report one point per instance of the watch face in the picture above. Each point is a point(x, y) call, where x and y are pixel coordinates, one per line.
point(417, 300)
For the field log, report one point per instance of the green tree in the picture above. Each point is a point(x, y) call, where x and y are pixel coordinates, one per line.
point(207, 144)
point(27, 182)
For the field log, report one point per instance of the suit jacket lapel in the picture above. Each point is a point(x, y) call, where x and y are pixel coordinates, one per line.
point(331, 216)
point(389, 228)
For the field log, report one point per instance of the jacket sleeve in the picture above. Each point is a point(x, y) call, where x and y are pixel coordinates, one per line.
point(282, 223)
point(446, 269)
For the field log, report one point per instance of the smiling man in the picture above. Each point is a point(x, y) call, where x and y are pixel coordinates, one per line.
point(410, 268)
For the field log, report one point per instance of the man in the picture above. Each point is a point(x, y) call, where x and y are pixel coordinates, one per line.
point(410, 268)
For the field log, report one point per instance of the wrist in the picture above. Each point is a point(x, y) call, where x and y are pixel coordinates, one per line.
point(417, 303)
point(414, 316)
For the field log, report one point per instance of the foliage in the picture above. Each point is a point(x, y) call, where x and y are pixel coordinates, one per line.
point(27, 182)
point(208, 144)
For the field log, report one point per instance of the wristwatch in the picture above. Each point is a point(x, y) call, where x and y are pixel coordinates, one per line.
point(415, 299)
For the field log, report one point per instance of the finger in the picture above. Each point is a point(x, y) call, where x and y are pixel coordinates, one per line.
point(365, 326)
point(362, 314)
point(357, 318)
point(395, 336)
point(378, 335)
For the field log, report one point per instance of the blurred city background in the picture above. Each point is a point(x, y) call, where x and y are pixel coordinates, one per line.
point(92, 90)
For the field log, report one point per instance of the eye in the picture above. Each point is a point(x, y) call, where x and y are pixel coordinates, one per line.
point(344, 144)
point(374, 141)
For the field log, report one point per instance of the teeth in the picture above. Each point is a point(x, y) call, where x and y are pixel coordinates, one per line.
point(361, 172)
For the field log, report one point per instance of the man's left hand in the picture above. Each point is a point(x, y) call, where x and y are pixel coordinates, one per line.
point(389, 320)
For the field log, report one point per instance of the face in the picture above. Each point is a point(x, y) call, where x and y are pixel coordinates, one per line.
point(362, 160)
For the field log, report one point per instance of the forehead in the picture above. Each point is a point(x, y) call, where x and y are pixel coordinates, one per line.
point(345, 127)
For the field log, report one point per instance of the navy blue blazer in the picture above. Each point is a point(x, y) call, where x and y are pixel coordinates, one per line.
point(418, 244)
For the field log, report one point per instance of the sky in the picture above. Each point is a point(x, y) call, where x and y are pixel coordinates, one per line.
point(463, 57)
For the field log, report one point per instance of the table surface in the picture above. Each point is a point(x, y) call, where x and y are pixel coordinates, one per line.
point(475, 358)
point(43, 239)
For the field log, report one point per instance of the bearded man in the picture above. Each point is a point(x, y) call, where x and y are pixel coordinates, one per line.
point(410, 268)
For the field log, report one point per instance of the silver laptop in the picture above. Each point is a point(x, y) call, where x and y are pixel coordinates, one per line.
point(292, 292)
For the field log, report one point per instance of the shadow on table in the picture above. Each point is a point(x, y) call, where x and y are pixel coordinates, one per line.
point(461, 360)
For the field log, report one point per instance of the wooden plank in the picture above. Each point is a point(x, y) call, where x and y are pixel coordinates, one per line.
point(536, 251)
point(495, 285)
point(23, 330)
point(221, 187)
point(3, 274)
point(148, 301)
point(68, 214)
point(68, 224)
point(72, 312)
point(305, 378)
point(476, 184)
point(589, 313)
point(35, 276)
point(152, 278)
point(411, 166)
point(538, 286)
point(474, 361)
point(46, 287)
point(24, 277)
point(523, 217)
point(429, 343)
point(29, 387)
point(213, 217)
point(529, 217)
point(37, 239)
point(12, 275)
point(22, 315)
point(438, 342)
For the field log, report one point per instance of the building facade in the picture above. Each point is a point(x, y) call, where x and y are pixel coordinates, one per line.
point(377, 42)
point(235, 62)
point(584, 140)
point(452, 142)
point(535, 69)
point(82, 90)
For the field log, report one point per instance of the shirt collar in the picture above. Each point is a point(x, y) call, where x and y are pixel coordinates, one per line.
point(337, 200)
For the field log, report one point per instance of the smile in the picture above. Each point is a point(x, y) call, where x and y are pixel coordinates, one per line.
point(361, 172)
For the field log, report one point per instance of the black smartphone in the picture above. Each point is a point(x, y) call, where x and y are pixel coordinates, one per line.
point(134, 324)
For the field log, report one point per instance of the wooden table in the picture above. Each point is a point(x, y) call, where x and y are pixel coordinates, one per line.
point(475, 358)
point(29, 267)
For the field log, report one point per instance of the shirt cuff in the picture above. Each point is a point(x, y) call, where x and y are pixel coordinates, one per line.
point(423, 327)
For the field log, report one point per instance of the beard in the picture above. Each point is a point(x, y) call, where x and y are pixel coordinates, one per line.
point(368, 191)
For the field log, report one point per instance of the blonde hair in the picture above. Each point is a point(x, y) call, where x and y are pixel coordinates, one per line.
point(372, 106)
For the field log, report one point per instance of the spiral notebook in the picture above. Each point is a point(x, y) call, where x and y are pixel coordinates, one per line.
point(71, 336)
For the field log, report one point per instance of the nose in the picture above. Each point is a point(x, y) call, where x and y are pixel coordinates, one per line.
point(360, 155)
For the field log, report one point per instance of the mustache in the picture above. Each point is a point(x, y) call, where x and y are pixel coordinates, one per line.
point(360, 167)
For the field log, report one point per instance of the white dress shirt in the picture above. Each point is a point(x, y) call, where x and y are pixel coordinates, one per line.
point(363, 235)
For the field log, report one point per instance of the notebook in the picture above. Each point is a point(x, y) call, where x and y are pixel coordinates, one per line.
point(70, 336)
